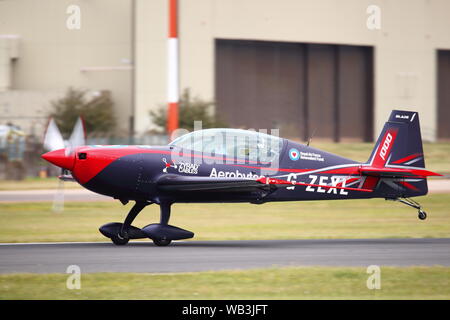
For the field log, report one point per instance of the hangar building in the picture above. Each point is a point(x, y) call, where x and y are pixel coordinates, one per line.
point(330, 68)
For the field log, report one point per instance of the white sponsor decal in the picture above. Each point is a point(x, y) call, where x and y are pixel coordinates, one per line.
point(322, 181)
point(186, 167)
point(401, 116)
point(182, 167)
point(233, 174)
point(385, 147)
point(311, 156)
point(168, 165)
point(291, 178)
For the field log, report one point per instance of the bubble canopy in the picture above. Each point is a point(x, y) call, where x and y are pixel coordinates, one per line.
point(232, 143)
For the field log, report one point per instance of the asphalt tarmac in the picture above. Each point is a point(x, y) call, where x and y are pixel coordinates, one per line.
point(76, 195)
point(191, 256)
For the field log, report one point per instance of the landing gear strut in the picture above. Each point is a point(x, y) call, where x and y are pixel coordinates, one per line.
point(122, 236)
point(161, 233)
point(409, 202)
point(163, 220)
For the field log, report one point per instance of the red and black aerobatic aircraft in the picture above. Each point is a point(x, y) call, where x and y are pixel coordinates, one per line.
point(230, 165)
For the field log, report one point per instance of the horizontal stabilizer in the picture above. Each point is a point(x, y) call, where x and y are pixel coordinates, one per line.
point(392, 172)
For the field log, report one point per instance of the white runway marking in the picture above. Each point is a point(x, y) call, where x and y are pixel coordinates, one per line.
point(70, 242)
point(37, 243)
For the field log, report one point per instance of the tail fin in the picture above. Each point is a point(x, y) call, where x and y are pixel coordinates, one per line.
point(400, 142)
point(397, 159)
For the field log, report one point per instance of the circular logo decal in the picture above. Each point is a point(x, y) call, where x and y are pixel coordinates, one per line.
point(294, 154)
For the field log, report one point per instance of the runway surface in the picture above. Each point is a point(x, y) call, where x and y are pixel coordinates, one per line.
point(49, 195)
point(191, 256)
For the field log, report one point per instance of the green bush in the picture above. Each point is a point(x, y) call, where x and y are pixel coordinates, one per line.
point(97, 112)
point(190, 110)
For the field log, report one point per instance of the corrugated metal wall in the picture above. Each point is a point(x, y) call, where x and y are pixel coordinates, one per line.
point(303, 89)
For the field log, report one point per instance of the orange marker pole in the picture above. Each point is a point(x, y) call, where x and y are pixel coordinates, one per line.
point(173, 72)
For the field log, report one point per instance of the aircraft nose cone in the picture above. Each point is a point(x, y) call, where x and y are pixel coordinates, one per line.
point(60, 159)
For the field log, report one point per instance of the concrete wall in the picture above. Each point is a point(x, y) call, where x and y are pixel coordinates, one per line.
point(53, 57)
point(151, 62)
point(404, 47)
point(27, 109)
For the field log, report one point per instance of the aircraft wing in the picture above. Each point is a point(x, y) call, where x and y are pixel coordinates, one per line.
point(180, 183)
point(193, 183)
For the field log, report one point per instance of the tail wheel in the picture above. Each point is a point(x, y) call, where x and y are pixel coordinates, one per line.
point(410, 202)
point(119, 241)
point(422, 215)
point(162, 242)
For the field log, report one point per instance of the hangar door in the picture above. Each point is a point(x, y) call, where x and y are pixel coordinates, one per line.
point(443, 95)
point(302, 89)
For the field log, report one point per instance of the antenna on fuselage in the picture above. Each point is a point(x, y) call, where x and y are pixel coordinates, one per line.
point(310, 138)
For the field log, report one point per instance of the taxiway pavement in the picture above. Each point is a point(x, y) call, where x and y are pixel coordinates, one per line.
point(191, 256)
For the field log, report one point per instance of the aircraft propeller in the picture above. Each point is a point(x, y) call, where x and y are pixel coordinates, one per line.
point(53, 140)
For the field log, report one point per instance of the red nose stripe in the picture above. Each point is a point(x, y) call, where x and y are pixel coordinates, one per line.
point(99, 158)
point(60, 159)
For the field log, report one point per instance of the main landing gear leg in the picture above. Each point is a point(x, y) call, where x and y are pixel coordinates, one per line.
point(162, 234)
point(122, 237)
point(409, 202)
point(164, 220)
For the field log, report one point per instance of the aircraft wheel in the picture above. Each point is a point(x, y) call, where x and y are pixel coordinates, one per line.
point(119, 241)
point(422, 215)
point(161, 242)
